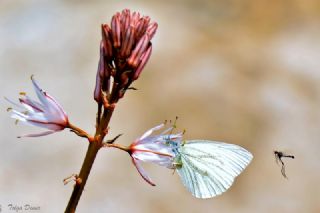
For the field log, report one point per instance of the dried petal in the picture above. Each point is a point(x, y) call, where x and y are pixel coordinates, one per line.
point(124, 79)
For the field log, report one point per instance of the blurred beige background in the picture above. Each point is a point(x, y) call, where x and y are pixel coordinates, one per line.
point(245, 72)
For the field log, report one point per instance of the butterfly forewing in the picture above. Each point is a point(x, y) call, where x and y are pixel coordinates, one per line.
point(209, 168)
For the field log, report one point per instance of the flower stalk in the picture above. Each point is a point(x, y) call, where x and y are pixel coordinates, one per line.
point(91, 154)
point(125, 48)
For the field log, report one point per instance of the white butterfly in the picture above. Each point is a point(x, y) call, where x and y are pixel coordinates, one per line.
point(208, 168)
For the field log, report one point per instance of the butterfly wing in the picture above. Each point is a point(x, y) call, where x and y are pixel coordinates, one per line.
point(209, 168)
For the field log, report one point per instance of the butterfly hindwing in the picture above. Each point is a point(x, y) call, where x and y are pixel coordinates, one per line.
point(209, 168)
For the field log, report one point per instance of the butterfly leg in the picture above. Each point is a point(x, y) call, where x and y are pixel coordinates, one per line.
point(283, 170)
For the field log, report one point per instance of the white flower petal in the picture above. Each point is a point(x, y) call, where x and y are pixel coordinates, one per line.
point(142, 172)
point(37, 134)
point(39, 92)
point(18, 115)
point(154, 158)
point(45, 125)
point(36, 107)
point(51, 104)
point(150, 131)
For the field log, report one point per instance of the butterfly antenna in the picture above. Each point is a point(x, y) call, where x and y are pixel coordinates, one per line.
point(289, 156)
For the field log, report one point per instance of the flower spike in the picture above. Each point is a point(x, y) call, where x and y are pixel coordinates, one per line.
point(125, 49)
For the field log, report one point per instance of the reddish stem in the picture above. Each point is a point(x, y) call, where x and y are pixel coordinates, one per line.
point(93, 148)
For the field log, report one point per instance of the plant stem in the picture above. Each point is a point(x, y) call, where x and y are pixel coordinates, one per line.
point(118, 146)
point(92, 151)
point(84, 173)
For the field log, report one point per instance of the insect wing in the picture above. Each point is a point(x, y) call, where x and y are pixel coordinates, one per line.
point(209, 168)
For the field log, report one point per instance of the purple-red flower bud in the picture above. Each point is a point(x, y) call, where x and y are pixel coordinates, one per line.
point(116, 30)
point(127, 43)
point(100, 74)
point(125, 22)
point(152, 29)
point(144, 59)
point(106, 39)
point(142, 26)
point(97, 90)
point(134, 59)
point(135, 18)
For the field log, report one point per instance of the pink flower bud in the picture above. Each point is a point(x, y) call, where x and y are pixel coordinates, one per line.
point(141, 47)
point(100, 75)
point(152, 29)
point(106, 39)
point(116, 30)
point(98, 89)
point(144, 59)
point(135, 18)
point(142, 26)
point(127, 43)
point(125, 22)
